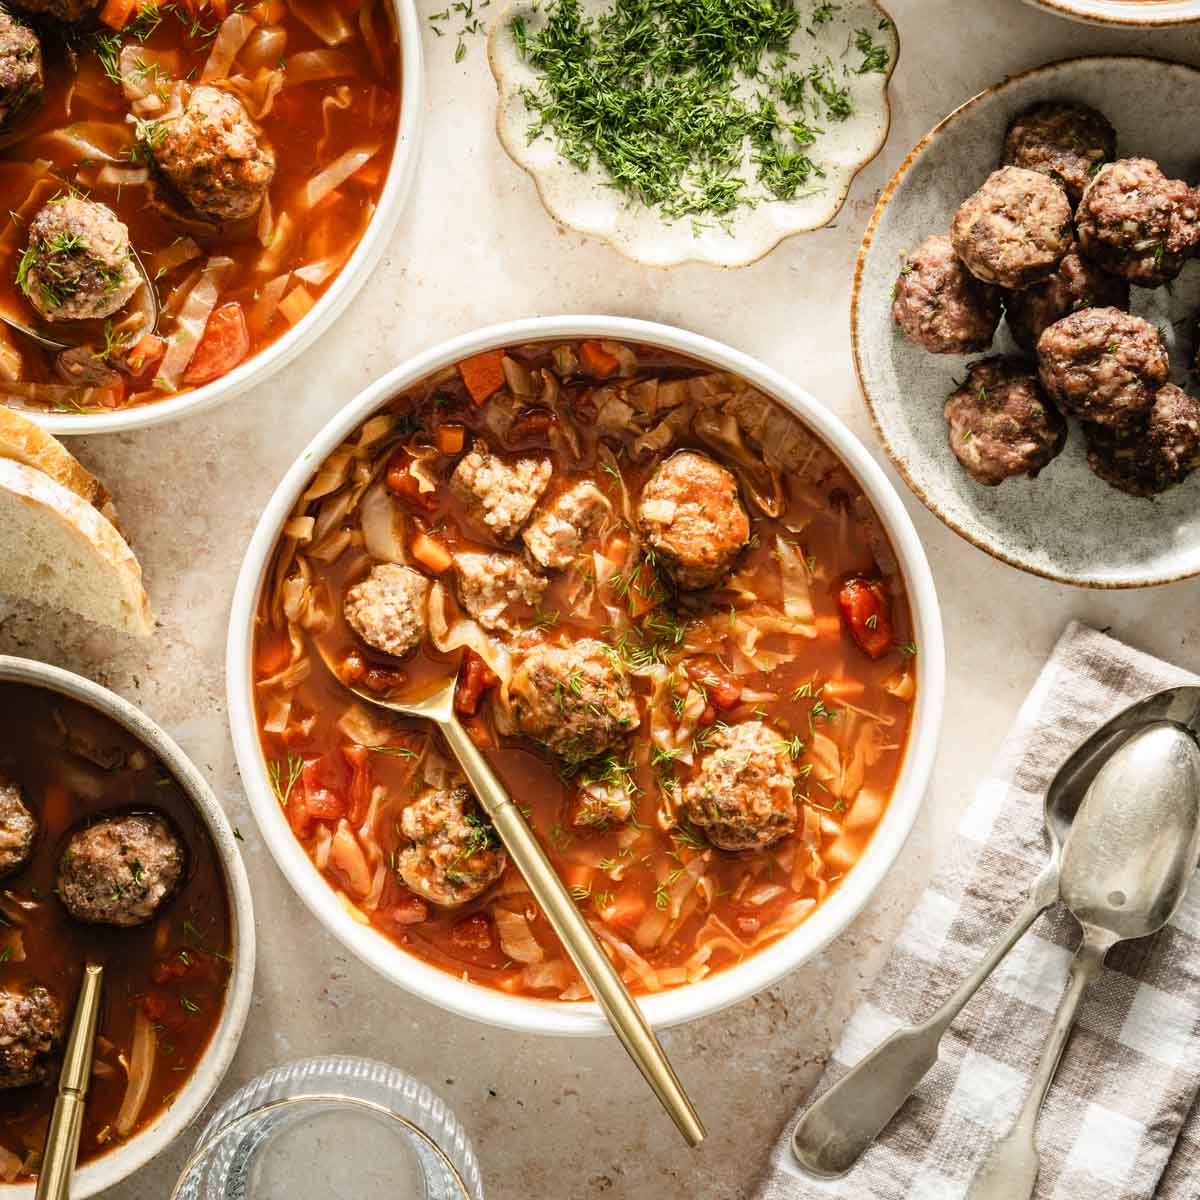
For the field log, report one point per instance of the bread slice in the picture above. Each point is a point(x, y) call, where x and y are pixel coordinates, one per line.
point(25, 441)
point(57, 549)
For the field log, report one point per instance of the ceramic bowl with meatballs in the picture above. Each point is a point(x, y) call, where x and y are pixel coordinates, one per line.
point(153, 153)
point(113, 849)
point(693, 631)
point(1024, 317)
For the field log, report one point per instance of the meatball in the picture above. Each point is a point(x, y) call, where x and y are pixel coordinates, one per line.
point(120, 870)
point(32, 1028)
point(71, 12)
point(498, 494)
point(692, 518)
point(1102, 365)
point(455, 853)
point(1137, 223)
point(1150, 458)
point(498, 590)
point(741, 794)
point(1077, 283)
point(77, 264)
point(558, 529)
point(939, 305)
point(576, 700)
point(388, 608)
point(18, 828)
point(1001, 423)
point(1068, 142)
point(1015, 230)
point(211, 156)
point(21, 79)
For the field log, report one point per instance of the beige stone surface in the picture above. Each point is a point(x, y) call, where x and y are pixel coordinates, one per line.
point(554, 1118)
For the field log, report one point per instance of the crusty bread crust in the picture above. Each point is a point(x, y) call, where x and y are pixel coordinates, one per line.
point(101, 557)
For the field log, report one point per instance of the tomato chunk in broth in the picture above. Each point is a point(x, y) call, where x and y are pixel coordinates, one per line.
point(681, 638)
point(243, 147)
point(64, 771)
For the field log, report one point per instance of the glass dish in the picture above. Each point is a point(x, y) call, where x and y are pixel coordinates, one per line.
point(332, 1126)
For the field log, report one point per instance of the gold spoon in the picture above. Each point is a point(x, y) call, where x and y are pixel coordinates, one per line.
point(573, 931)
point(62, 1138)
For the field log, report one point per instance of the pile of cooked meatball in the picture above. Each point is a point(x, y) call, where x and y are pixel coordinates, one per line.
point(210, 166)
point(119, 869)
point(572, 695)
point(1053, 240)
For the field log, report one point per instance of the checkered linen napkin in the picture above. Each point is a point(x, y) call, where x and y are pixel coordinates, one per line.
point(1116, 1125)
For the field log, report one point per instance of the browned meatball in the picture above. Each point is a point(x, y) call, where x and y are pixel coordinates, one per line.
point(1102, 365)
point(120, 870)
point(939, 305)
point(556, 534)
point(71, 12)
point(1014, 230)
point(498, 590)
point(693, 521)
point(1001, 423)
point(576, 700)
point(1135, 222)
point(21, 79)
point(1068, 142)
point(32, 1028)
point(388, 608)
point(455, 854)
point(77, 263)
point(1076, 284)
point(741, 794)
point(211, 156)
point(499, 494)
point(1150, 457)
point(18, 828)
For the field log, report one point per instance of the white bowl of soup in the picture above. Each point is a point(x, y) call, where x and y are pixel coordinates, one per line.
point(696, 635)
point(257, 158)
point(89, 784)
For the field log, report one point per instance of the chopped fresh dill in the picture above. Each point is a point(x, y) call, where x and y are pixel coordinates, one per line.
point(284, 776)
point(875, 57)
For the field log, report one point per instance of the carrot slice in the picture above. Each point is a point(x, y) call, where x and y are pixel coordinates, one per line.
point(116, 13)
point(429, 552)
point(450, 438)
point(597, 360)
point(483, 374)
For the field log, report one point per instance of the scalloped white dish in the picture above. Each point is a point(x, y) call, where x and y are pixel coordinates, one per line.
point(586, 202)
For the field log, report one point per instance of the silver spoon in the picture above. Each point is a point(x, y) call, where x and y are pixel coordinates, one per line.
point(838, 1128)
point(603, 980)
point(79, 333)
point(1131, 853)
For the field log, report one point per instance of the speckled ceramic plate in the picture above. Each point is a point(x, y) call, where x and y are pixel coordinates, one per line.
point(1132, 14)
point(585, 202)
point(1067, 524)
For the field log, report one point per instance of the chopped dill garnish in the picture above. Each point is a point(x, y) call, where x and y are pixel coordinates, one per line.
point(284, 776)
point(875, 57)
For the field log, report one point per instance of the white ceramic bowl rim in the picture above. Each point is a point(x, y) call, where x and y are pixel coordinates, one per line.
point(665, 1008)
point(118, 1164)
point(332, 303)
point(1136, 14)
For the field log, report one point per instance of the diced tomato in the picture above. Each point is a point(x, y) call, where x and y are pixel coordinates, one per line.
point(353, 668)
point(597, 361)
point(405, 486)
point(145, 352)
point(479, 733)
point(627, 907)
point(723, 689)
point(483, 374)
point(617, 549)
point(472, 933)
point(474, 678)
point(408, 910)
point(225, 342)
point(272, 653)
point(645, 592)
point(867, 613)
point(320, 802)
point(359, 758)
point(384, 679)
point(533, 425)
point(154, 1005)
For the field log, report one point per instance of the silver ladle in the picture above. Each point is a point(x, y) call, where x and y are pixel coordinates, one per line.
point(1129, 858)
point(838, 1128)
point(79, 333)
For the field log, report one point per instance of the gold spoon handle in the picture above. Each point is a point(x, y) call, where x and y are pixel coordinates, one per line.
point(66, 1122)
point(606, 984)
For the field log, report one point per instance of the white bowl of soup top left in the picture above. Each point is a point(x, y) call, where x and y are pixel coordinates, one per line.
point(331, 302)
point(124, 1159)
point(726, 986)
